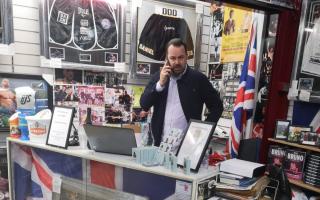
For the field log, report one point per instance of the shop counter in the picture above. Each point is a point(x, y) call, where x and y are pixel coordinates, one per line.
point(38, 169)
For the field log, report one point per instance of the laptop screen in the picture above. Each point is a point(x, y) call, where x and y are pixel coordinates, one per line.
point(111, 139)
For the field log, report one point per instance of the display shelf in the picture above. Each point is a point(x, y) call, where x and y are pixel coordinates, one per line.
point(262, 4)
point(311, 148)
point(301, 184)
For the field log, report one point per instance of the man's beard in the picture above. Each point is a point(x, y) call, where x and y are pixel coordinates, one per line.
point(176, 74)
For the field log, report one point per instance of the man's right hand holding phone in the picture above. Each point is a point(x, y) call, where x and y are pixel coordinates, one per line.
point(165, 73)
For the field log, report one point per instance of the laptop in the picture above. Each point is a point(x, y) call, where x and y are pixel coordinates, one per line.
point(111, 139)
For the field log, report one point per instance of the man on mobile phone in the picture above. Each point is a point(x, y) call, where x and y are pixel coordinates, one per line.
point(178, 93)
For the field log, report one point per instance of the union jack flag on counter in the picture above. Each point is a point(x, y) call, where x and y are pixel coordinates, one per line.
point(244, 104)
point(34, 171)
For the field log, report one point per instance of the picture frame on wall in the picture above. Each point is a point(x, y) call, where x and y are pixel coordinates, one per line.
point(306, 84)
point(90, 37)
point(9, 83)
point(173, 21)
point(295, 133)
point(195, 143)
point(281, 130)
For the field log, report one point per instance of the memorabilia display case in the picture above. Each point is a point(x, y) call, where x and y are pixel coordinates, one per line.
point(86, 35)
point(174, 19)
point(307, 56)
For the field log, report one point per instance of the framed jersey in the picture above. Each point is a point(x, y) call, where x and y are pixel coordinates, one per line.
point(86, 32)
point(157, 23)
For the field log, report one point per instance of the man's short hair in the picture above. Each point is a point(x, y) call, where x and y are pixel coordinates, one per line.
point(176, 42)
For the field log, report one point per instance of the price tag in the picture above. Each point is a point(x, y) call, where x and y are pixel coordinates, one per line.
point(55, 63)
point(304, 95)
point(199, 8)
point(56, 184)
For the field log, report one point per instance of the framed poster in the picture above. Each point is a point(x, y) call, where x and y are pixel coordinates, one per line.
point(282, 129)
point(295, 133)
point(172, 21)
point(195, 143)
point(84, 32)
point(60, 127)
point(307, 54)
point(8, 95)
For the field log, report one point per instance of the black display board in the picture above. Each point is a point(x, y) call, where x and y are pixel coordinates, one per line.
point(82, 32)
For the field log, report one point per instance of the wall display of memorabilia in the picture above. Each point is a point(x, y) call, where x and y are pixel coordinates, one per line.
point(118, 105)
point(68, 76)
point(236, 33)
point(311, 58)
point(66, 95)
point(172, 21)
point(215, 71)
point(216, 10)
point(94, 78)
point(93, 97)
point(115, 79)
point(103, 92)
point(230, 83)
point(265, 77)
point(83, 32)
point(307, 59)
point(9, 97)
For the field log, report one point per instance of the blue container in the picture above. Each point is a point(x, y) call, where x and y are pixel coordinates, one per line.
point(23, 126)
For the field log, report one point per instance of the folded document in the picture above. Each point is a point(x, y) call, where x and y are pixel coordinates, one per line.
point(242, 168)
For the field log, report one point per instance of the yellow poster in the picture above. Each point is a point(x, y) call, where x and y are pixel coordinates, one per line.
point(236, 33)
point(137, 92)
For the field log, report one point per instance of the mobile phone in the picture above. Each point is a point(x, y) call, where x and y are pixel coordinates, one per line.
point(168, 64)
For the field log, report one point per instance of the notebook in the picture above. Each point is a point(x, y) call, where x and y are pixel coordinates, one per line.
point(110, 139)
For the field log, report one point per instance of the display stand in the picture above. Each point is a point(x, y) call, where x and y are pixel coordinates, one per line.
point(155, 181)
point(299, 183)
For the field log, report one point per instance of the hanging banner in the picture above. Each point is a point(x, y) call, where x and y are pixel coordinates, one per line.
point(236, 32)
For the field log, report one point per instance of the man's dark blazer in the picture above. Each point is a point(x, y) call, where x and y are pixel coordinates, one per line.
point(194, 90)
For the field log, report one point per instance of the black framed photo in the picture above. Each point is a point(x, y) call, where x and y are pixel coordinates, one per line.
point(195, 143)
point(310, 138)
point(282, 128)
point(305, 84)
point(295, 132)
point(60, 126)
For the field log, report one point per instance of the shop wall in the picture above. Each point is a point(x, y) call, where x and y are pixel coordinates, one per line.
point(26, 31)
